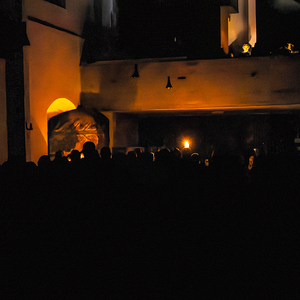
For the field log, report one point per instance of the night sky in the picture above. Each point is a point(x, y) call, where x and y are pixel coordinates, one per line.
point(185, 28)
point(149, 29)
point(276, 27)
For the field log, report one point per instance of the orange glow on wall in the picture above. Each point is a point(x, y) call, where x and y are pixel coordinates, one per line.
point(58, 106)
point(216, 85)
point(52, 72)
point(242, 25)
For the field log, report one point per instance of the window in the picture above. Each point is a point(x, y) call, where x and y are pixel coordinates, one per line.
point(61, 3)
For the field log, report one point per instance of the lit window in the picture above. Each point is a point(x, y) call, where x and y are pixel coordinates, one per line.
point(61, 3)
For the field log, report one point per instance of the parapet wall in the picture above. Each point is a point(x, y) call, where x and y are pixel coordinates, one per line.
point(234, 83)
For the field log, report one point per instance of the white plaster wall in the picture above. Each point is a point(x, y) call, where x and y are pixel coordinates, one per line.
point(233, 83)
point(238, 24)
point(3, 119)
point(242, 25)
point(109, 11)
point(72, 18)
point(51, 64)
point(252, 33)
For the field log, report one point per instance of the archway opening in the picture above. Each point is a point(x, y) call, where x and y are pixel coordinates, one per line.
point(69, 130)
point(59, 106)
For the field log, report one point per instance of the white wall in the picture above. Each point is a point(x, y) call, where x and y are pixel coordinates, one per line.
point(72, 18)
point(51, 65)
point(242, 25)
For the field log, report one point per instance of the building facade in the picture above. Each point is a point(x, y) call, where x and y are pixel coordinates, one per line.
point(84, 53)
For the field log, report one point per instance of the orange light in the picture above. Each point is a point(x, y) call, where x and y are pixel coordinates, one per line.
point(186, 142)
point(250, 163)
point(81, 155)
point(290, 46)
point(58, 106)
point(206, 162)
point(246, 48)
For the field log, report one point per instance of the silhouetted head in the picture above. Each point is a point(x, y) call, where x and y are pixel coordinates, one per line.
point(59, 160)
point(16, 160)
point(186, 153)
point(163, 155)
point(88, 147)
point(74, 155)
point(89, 150)
point(58, 154)
point(195, 158)
point(137, 151)
point(176, 154)
point(5, 165)
point(30, 167)
point(44, 161)
point(105, 153)
point(147, 157)
point(131, 155)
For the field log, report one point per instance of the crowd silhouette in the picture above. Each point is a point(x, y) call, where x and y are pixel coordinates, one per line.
point(143, 225)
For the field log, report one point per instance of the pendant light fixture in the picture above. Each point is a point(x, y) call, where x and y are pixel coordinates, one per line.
point(136, 72)
point(169, 85)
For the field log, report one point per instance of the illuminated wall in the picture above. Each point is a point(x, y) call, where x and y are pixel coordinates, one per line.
point(51, 64)
point(225, 12)
point(233, 83)
point(59, 106)
point(72, 18)
point(249, 83)
point(238, 27)
point(3, 124)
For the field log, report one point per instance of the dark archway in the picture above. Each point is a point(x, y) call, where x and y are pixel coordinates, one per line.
point(70, 130)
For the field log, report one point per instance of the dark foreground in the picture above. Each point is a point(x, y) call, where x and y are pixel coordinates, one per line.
point(161, 232)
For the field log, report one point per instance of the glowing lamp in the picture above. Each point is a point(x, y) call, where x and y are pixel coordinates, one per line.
point(246, 49)
point(290, 47)
point(169, 85)
point(186, 144)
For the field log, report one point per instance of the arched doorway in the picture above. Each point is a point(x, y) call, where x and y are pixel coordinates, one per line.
point(71, 129)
